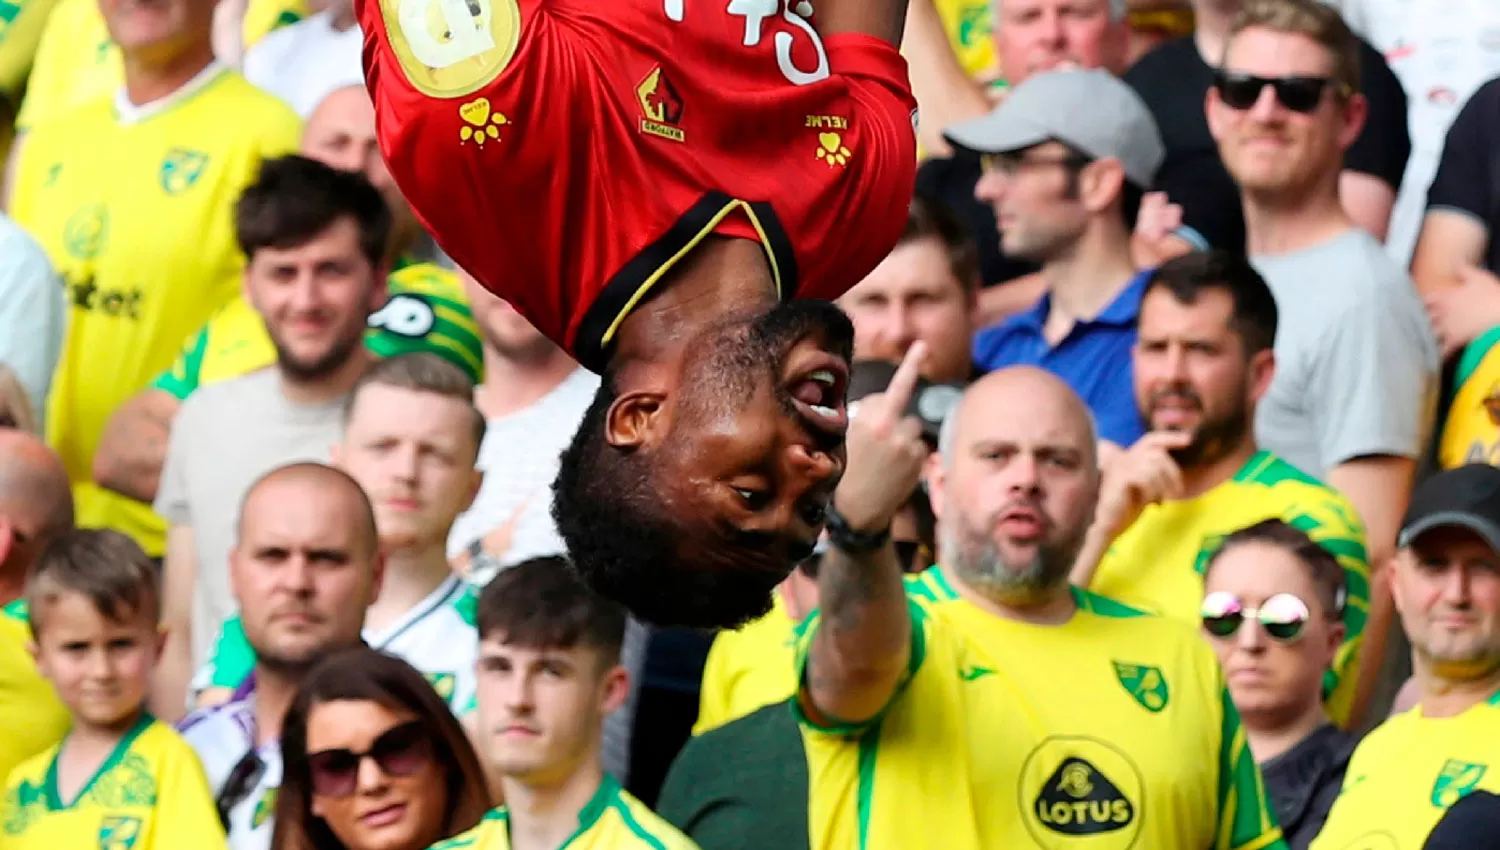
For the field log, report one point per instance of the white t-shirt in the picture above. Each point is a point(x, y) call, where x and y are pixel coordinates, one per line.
point(223, 736)
point(1442, 51)
point(304, 62)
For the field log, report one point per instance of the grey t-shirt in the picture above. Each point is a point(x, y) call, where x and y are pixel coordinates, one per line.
point(1356, 361)
point(226, 436)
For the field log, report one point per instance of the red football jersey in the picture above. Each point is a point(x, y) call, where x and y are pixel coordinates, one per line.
point(568, 153)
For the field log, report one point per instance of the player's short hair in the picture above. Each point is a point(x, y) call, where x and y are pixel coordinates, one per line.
point(294, 199)
point(420, 372)
point(929, 218)
point(1322, 567)
point(1315, 20)
point(105, 566)
point(542, 604)
point(1254, 316)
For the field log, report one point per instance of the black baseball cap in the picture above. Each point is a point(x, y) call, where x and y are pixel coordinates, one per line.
point(1465, 497)
point(930, 402)
point(1472, 823)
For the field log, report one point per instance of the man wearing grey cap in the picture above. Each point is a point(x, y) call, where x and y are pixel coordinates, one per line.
point(1446, 584)
point(1068, 156)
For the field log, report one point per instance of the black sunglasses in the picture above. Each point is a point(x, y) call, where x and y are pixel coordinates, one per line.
point(1299, 94)
point(399, 751)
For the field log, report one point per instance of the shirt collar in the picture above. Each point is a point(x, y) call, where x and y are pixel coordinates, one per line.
point(128, 113)
point(1121, 312)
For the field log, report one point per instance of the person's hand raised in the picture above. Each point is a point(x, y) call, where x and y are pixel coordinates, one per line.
point(1144, 475)
point(886, 451)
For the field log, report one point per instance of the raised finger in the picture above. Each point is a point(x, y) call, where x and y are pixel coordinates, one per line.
point(897, 395)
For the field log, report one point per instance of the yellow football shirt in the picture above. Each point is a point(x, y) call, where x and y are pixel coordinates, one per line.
point(749, 668)
point(150, 794)
point(76, 62)
point(1471, 433)
point(426, 311)
point(21, 25)
point(1405, 775)
point(1157, 564)
point(138, 219)
point(1112, 731)
point(612, 820)
point(31, 717)
point(970, 24)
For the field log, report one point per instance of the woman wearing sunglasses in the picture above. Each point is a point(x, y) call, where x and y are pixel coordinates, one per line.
point(1272, 605)
point(374, 760)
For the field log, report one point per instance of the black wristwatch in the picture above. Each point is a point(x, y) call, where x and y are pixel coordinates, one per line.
point(850, 541)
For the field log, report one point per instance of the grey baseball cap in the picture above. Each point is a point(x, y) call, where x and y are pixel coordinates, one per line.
point(1089, 110)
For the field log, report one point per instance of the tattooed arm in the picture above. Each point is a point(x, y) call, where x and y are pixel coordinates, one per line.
point(134, 445)
point(863, 639)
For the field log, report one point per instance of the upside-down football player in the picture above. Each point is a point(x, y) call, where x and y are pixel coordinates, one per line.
point(651, 183)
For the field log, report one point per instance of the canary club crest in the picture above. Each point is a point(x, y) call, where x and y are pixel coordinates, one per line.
point(1144, 683)
point(119, 833)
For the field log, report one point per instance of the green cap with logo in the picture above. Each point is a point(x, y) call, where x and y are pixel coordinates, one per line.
point(427, 311)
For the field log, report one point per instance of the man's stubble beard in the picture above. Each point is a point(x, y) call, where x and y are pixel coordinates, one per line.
point(979, 563)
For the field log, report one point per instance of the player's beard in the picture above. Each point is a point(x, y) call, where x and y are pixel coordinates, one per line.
point(1216, 437)
point(970, 549)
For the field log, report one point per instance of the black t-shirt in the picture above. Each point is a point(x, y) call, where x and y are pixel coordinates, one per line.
point(1468, 175)
point(1303, 782)
point(951, 182)
point(1174, 80)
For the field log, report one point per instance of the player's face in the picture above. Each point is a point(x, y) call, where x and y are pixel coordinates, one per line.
point(315, 299)
point(100, 667)
point(301, 573)
point(340, 133)
point(1447, 588)
point(1037, 209)
point(1192, 375)
point(1016, 496)
point(1032, 36)
point(504, 329)
point(1272, 681)
point(1267, 147)
point(391, 806)
point(542, 710)
point(163, 28)
point(413, 453)
point(912, 295)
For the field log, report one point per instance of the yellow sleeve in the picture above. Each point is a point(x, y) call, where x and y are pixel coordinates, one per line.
point(185, 817)
point(1333, 524)
point(713, 696)
point(283, 134)
point(21, 26)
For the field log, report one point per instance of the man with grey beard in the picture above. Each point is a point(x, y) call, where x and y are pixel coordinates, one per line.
point(1048, 711)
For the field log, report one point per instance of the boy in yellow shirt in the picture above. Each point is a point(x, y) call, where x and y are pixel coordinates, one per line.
point(121, 778)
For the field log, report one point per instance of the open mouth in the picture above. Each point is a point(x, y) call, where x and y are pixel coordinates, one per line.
point(817, 388)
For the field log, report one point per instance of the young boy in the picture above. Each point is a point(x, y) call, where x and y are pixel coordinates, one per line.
point(120, 780)
point(548, 675)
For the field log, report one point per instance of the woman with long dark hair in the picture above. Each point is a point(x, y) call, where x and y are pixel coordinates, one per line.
point(373, 760)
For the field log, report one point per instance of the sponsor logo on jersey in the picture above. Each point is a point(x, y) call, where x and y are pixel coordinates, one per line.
point(86, 231)
point(452, 48)
point(1456, 779)
point(1080, 787)
point(661, 106)
point(116, 303)
point(481, 123)
point(1144, 683)
point(119, 833)
point(181, 169)
point(832, 150)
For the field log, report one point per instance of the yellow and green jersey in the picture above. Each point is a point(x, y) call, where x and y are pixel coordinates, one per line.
point(749, 668)
point(1157, 563)
point(1405, 774)
point(426, 311)
point(76, 63)
point(150, 793)
point(137, 217)
point(1471, 433)
point(970, 25)
point(31, 717)
point(21, 26)
point(612, 820)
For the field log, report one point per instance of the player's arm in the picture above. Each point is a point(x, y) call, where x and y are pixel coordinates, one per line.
point(1246, 821)
point(861, 640)
point(883, 19)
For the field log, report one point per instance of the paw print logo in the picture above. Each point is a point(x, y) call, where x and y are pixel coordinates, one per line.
point(832, 151)
point(480, 123)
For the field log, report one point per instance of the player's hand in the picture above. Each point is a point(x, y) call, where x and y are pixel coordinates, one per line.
point(886, 452)
point(1462, 313)
point(1144, 475)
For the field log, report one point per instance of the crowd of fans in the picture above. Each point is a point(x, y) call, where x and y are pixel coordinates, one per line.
point(1180, 397)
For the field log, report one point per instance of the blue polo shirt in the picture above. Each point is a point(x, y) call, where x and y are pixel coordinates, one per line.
point(1094, 358)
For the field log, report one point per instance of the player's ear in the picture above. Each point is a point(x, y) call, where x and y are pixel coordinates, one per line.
point(634, 418)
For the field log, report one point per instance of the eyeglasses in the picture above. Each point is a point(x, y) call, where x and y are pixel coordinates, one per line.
point(1009, 164)
point(1299, 94)
point(1283, 616)
point(399, 751)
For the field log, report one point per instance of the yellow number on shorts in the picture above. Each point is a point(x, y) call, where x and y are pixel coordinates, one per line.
point(452, 48)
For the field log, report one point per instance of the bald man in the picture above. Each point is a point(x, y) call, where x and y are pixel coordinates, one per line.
point(1068, 711)
point(304, 569)
point(36, 504)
